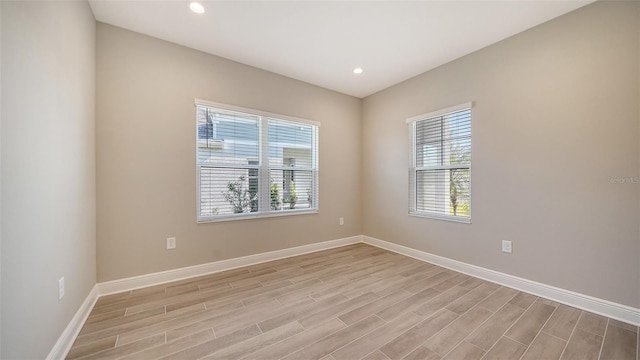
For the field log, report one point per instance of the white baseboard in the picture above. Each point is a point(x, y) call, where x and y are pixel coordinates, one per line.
point(63, 345)
point(606, 308)
point(136, 282)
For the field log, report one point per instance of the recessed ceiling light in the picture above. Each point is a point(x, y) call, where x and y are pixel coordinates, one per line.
point(196, 7)
point(357, 70)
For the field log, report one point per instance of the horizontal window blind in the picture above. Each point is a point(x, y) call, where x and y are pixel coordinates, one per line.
point(440, 167)
point(250, 165)
point(292, 165)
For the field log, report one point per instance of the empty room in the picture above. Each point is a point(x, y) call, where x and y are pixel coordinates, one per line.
point(330, 180)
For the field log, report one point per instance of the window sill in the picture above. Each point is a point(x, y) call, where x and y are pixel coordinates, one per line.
point(458, 219)
point(249, 216)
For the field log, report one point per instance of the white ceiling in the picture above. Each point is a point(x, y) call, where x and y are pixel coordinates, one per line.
point(321, 42)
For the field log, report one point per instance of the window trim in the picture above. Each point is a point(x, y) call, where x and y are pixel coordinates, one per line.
point(264, 170)
point(413, 169)
point(250, 111)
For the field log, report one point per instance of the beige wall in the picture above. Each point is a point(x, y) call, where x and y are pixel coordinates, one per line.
point(48, 170)
point(555, 117)
point(146, 173)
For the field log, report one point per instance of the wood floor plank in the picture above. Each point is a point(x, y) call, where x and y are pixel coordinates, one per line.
point(381, 284)
point(562, 322)
point(211, 319)
point(203, 321)
point(223, 275)
point(451, 282)
point(497, 300)
point(430, 281)
point(491, 331)
point(407, 304)
point(144, 301)
point(241, 293)
point(402, 284)
point(105, 316)
point(281, 275)
point(411, 339)
point(472, 283)
point(505, 348)
point(172, 347)
point(449, 337)
point(261, 314)
point(546, 347)
point(471, 299)
point(129, 349)
point(223, 281)
point(619, 344)
point(415, 267)
point(295, 313)
point(327, 357)
point(319, 291)
point(336, 310)
point(371, 271)
point(582, 345)
point(107, 299)
point(78, 351)
point(422, 353)
point(441, 301)
point(341, 286)
point(613, 322)
point(256, 343)
point(523, 300)
point(335, 341)
point(299, 275)
point(373, 340)
point(178, 288)
point(217, 298)
point(172, 321)
point(157, 321)
point(593, 323)
point(528, 326)
point(354, 302)
point(371, 308)
point(263, 296)
point(219, 343)
point(97, 326)
point(376, 355)
point(466, 351)
point(228, 294)
point(299, 341)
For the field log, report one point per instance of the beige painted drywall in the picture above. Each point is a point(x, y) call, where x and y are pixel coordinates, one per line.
point(48, 170)
point(146, 174)
point(555, 117)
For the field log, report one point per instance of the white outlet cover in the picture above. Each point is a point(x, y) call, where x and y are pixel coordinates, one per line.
point(171, 243)
point(507, 246)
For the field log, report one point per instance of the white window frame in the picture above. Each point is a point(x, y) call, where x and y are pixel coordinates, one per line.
point(264, 210)
point(413, 169)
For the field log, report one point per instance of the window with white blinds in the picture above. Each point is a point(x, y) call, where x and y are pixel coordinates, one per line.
point(440, 166)
point(254, 164)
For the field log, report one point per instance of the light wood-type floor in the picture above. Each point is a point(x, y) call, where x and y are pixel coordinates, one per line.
point(348, 303)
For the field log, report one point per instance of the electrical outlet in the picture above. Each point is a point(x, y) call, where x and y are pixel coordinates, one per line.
point(171, 243)
point(507, 247)
point(341, 221)
point(61, 288)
